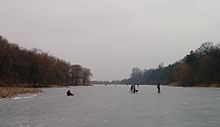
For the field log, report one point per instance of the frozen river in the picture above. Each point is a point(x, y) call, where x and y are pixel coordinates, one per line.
point(110, 106)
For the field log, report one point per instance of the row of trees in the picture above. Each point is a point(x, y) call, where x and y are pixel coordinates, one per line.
point(34, 67)
point(151, 76)
point(199, 67)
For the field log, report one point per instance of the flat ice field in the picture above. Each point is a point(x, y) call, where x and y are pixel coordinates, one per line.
point(110, 106)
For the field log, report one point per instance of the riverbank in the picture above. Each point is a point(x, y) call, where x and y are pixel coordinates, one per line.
point(175, 84)
point(208, 85)
point(13, 91)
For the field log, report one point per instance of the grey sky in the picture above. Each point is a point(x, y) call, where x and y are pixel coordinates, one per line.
point(111, 36)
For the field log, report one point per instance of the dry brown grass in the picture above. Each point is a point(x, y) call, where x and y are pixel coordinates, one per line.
point(55, 86)
point(214, 85)
point(12, 91)
point(207, 85)
point(197, 85)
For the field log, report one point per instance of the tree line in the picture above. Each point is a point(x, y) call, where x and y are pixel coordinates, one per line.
point(19, 66)
point(199, 67)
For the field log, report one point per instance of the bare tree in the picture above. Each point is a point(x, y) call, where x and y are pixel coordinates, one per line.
point(76, 74)
point(86, 73)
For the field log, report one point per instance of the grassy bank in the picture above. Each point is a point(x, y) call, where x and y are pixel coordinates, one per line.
point(196, 85)
point(12, 91)
point(208, 85)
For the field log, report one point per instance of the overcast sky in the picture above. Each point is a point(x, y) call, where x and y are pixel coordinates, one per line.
point(112, 36)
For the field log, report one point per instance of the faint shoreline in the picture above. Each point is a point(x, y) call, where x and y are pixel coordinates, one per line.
point(13, 91)
point(211, 85)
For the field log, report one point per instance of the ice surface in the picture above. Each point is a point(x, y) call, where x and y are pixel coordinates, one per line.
point(109, 106)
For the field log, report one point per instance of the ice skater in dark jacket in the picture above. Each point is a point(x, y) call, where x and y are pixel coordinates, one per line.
point(68, 93)
point(158, 88)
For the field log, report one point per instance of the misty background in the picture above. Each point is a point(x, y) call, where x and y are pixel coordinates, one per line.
point(112, 36)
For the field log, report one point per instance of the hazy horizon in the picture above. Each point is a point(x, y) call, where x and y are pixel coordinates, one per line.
point(112, 37)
